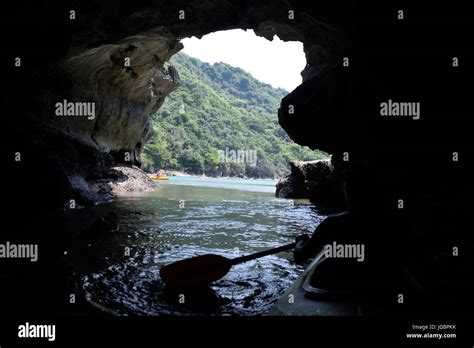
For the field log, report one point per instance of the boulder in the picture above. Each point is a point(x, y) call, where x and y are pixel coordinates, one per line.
point(317, 181)
point(133, 179)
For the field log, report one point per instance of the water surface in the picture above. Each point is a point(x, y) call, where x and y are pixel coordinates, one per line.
point(191, 216)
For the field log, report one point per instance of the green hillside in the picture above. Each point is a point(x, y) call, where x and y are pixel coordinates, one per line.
point(218, 113)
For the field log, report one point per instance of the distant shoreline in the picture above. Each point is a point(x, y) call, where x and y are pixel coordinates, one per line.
point(171, 173)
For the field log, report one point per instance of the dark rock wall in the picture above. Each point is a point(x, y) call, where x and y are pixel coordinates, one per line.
point(149, 33)
point(83, 61)
point(334, 108)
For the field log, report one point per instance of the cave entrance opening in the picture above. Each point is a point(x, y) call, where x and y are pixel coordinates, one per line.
point(222, 119)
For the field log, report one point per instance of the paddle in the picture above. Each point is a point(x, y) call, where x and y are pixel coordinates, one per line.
point(204, 269)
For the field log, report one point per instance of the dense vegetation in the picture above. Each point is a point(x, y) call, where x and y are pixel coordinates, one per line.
point(219, 109)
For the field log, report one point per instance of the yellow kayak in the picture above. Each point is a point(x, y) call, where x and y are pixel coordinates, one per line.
point(156, 177)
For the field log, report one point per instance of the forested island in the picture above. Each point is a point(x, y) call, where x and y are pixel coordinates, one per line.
point(221, 121)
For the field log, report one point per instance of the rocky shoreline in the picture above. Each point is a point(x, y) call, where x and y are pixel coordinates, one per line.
point(133, 179)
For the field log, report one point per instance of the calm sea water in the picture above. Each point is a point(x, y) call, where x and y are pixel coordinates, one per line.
point(191, 216)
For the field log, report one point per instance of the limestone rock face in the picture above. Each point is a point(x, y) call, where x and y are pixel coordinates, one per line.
point(128, 83)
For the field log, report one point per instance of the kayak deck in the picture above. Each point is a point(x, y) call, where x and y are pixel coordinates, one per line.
point(297, 301)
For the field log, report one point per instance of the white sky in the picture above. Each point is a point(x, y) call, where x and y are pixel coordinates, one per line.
point(275, 62)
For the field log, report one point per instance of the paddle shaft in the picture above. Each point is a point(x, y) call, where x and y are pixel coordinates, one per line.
point(261, 254)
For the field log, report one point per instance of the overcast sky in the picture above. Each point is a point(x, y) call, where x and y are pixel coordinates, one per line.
point(275, 62)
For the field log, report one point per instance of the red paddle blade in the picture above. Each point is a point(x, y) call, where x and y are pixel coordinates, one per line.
point(196, 271)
